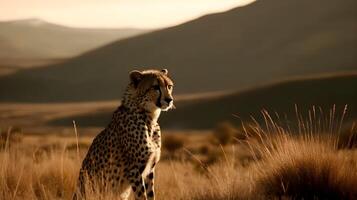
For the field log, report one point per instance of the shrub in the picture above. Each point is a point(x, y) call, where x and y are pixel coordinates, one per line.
point(204, 149)
point(172, 143)
point(224, 133)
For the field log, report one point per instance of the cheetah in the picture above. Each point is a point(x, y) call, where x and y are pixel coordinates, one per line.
point(122, 158)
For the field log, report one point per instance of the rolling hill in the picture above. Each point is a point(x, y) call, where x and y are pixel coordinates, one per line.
point(265, 41)
point(281, 97)
point(23, 41)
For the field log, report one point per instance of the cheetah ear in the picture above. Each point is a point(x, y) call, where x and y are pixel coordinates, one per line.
point(135, 77)
point(165, 71)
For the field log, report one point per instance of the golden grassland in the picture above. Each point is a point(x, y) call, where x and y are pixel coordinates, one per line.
point(254, 162)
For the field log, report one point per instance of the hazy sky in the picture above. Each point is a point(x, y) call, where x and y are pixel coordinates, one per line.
point(114, 13)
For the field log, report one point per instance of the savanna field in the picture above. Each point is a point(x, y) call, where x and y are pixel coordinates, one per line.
point(316, 159)
point(264, 91)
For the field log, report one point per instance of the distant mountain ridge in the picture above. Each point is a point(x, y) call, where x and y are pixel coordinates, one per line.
point(39, 39)
point(41, 22)
point(28, 22)
point(264, 41)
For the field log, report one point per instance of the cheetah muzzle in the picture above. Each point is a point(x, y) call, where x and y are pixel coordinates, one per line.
point(122, 158)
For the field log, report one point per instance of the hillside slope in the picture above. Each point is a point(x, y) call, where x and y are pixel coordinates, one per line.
point(264, 41)
point(205, 113)
point(37, 39)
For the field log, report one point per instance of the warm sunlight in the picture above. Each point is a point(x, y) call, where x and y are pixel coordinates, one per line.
point(178, 99)
point(114, 13)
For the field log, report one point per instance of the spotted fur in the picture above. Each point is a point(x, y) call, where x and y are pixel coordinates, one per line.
point(122, 158)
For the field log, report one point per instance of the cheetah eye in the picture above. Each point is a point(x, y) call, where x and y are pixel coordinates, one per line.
point(156, 87)
point(169, 87)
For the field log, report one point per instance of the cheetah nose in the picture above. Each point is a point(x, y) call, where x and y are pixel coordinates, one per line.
point(168, 100)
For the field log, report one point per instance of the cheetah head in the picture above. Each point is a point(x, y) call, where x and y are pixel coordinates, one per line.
point(153, 88)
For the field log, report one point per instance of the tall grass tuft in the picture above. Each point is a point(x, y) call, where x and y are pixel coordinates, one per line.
point(307, 164)
point(307, 169)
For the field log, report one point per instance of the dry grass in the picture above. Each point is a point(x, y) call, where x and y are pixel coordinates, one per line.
point(271, 163)
point(307, 169)
point(292, 168)
point(24, 177)
point(348, 138)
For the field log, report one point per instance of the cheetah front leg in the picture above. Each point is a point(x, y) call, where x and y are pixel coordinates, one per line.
point(137, 185)
point(149, 179)
point(149, 184)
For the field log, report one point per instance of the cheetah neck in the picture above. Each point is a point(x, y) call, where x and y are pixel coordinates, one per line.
point(155, 115)
point(149, 118)
point(132, 104)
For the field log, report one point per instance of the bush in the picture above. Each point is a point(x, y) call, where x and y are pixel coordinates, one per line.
point(172, 143)
point(204, 149)
point(224, 133)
